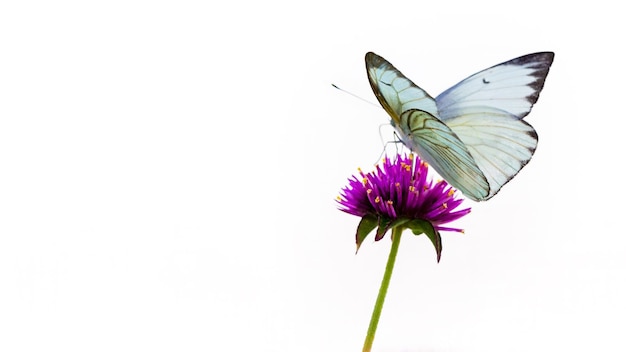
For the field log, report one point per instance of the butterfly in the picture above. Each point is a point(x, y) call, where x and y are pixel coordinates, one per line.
point(472, 134)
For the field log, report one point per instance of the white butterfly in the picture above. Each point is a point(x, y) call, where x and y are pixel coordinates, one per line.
point(472, 134)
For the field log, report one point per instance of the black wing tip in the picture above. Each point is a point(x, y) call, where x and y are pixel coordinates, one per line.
point(542, 57)
point(372, 59)
point(371, 56)
point(549, 55)
point(541, 62)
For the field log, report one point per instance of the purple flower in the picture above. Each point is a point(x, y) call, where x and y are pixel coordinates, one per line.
point(400, 195)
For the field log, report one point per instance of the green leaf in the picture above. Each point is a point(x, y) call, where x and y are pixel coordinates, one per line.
point(419, 226)
point(397, 224)
point(424, 227)
point(366, 226)
point(383, 226)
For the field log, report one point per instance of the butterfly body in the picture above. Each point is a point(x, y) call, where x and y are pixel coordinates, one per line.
point(473, 133)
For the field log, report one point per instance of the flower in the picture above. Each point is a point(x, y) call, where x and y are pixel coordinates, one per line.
point(401, 195)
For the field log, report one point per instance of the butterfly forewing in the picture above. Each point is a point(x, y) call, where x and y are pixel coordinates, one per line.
point(394, 91)
point(512, 86)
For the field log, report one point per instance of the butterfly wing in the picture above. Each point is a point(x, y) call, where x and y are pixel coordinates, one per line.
point(500, 143)
point(394, 91)
point(512, 86)
point(439, 146)
point(414, 115)
point(486, 110)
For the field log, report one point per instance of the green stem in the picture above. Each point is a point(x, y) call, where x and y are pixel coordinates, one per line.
point(396, 233)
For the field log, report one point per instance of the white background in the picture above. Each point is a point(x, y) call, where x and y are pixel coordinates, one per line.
point(168, 174)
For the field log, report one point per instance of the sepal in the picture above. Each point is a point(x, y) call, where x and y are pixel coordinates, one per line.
point(425, 227)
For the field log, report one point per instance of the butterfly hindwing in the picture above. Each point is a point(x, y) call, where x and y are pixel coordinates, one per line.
point(500, 143)
point(438, 145)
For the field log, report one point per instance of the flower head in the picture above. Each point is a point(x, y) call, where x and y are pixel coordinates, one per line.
point(400, 194)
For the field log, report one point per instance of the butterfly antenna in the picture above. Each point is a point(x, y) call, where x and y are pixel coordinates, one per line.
point(356, 96)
